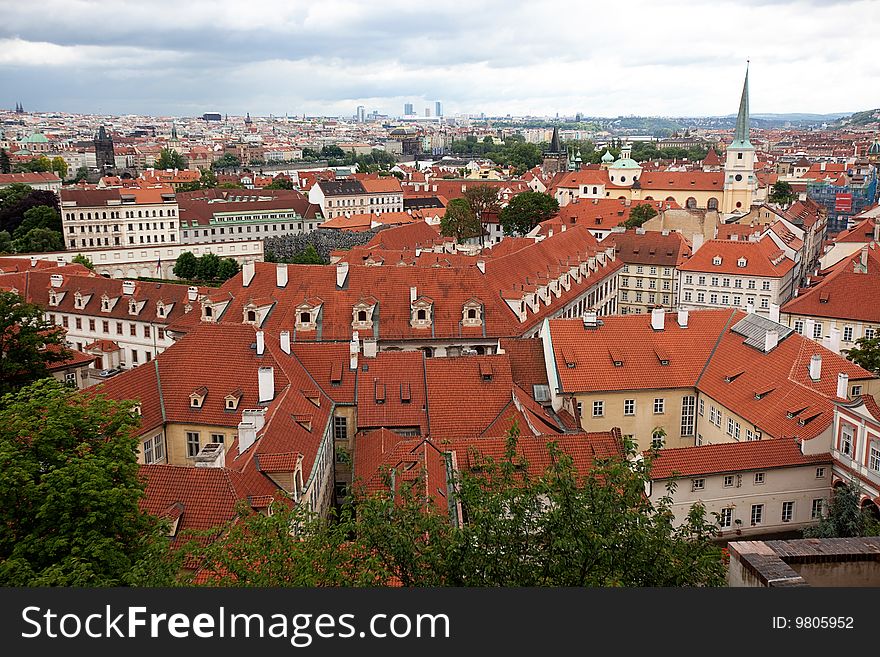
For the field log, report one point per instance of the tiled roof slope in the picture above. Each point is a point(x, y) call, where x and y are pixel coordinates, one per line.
point(844, 293)
point(763, 258)
point(732, 457)
point(651, 247)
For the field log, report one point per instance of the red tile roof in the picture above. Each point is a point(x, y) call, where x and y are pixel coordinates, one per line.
point(650, 247)
point(699, 181)
point(763, 258)
point(39, 178)
point(732, 457)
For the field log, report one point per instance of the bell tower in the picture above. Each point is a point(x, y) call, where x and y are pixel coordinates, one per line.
point(739, 165)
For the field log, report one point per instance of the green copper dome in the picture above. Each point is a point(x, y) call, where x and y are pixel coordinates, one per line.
point(607, 157)
point(626, 163)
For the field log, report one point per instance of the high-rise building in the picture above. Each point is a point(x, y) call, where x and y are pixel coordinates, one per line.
point(427, 112)
point(438, 109)
point(408, 109)
point(361, 114)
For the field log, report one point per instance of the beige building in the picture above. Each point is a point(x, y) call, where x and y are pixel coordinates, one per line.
point(342, 198)
point(746, 489)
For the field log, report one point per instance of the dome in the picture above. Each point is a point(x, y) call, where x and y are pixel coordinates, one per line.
point(607, 157)
point(36, 138)
point(404, 131)
point(626, 163)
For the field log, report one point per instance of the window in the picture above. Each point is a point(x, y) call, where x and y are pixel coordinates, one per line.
point(729, 426)
point(757, 514)
point(340, 428)
point(751, 284)
point(78, 322)
point(750, 435)
point(728, 481)
point(817, 330)
point(820, 473)
point(688, 419)
point(759, 478)
point(687, 295)
point(133, 330)
point(869, 333)
point(689, 279)
point(659, 405)
point(580, 409)
point(818, 509)
point(799, 326)
point(713, 299)
point(714, 416)
point(738, 283)
point(146, 330)
point(856, 391)
point(714, 281)
point(218, 438)
point(765, 285)
point(736, 430)
point(192, 443)
point(787, 511)
point(154, 449)
point(847, 333)
point(629, 406)
point(725, 518)
point(765, 303)
point(598, 408)
point(874, 458)
point(698, 484)
point(725, 282)
point(657, 439)
point(702, 407)
point(846, 439)
point(701, 297)
point(70, 379)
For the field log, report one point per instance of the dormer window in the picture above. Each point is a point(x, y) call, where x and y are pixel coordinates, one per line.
point(207, 313)
point(421, 313)
point(197, 397)
point(132, 307)
point(362, 314)
point(307, 315)
point(105, 304)
point(79, 301)
point(742, 262)
point(472, 313)
point(161, 309)
point(232, 400)
point(137, 410)
point(305, 318)
point(53, 299)
point(251, 316)
point(716, 260)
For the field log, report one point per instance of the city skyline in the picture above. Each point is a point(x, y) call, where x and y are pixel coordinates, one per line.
point(496, 59)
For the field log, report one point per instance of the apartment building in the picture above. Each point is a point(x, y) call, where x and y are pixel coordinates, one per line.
point(122, 217)
point(855, 447)
point(841, 305)
point(738, 274)
point(338, 198)
point(649, 276)
point(696, 378)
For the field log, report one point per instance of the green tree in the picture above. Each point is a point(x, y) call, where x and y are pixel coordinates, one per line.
point(227, 269)
point(170, 159)
point(332, 151)
point(639, 214)
point(85, 261)
point(280, 183)
point(82, 173)
point(5, 166)
point(208, 267)
point(527, 210)
point(186, 266)
point(40, 216)
point(60, 167)
point(230, 185)
point(208, 179)
point(308, 256)
point(459, 221)
point(36, 165)
point(39, 240)
point(29, 343)
point(782, 193)
point(227, 161)
point(482, 200)
point(5, 242)
point(845, 518)
point(69, 492)
point(866, 354)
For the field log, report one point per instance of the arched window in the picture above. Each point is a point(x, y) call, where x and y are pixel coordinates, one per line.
point(421, 315)
point(670, 198)
point(252, 315)
point(472, 313)
point(362, 315)
point(712, 203)
point(691, 203)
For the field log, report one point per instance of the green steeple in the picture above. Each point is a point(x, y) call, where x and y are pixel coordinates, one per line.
point(741, 135)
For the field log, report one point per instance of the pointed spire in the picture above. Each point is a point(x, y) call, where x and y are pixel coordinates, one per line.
point(173, 131)
point(554, 142)
point(741, 135)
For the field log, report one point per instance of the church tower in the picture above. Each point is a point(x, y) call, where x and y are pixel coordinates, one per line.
point(555, 159)
point(104, 154)
point(739, 166)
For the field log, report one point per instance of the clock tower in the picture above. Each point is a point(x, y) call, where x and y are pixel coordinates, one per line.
point(739, 166)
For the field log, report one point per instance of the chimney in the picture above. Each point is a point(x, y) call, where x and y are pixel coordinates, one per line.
point(864, 260)
point(771, 339)
point(842, 385)
point(658, 319)
point(128, 287)
point(774, 312)
point(413, 294)
point(266, 381)
point(34, 261)
point(683, 317)
point(248, 270)
point(285, 341)
point(261, 343)
point(56, 280)
point(834, 340)
point(481, 265)
point(341, 274)
point(750, 308)
point(353, 351)
point(876, 230)
point(590, 319)
point(816, 367)
point(212, 455)
point(281, 274)
point(371, 347)
point(809, 326)
point(696, 242)
point(252, 421)
point(192, 293)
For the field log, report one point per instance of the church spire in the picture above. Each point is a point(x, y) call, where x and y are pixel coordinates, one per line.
point(741, 135)
point(554, 142)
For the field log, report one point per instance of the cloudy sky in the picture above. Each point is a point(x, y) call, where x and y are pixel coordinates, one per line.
point(674, 58)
